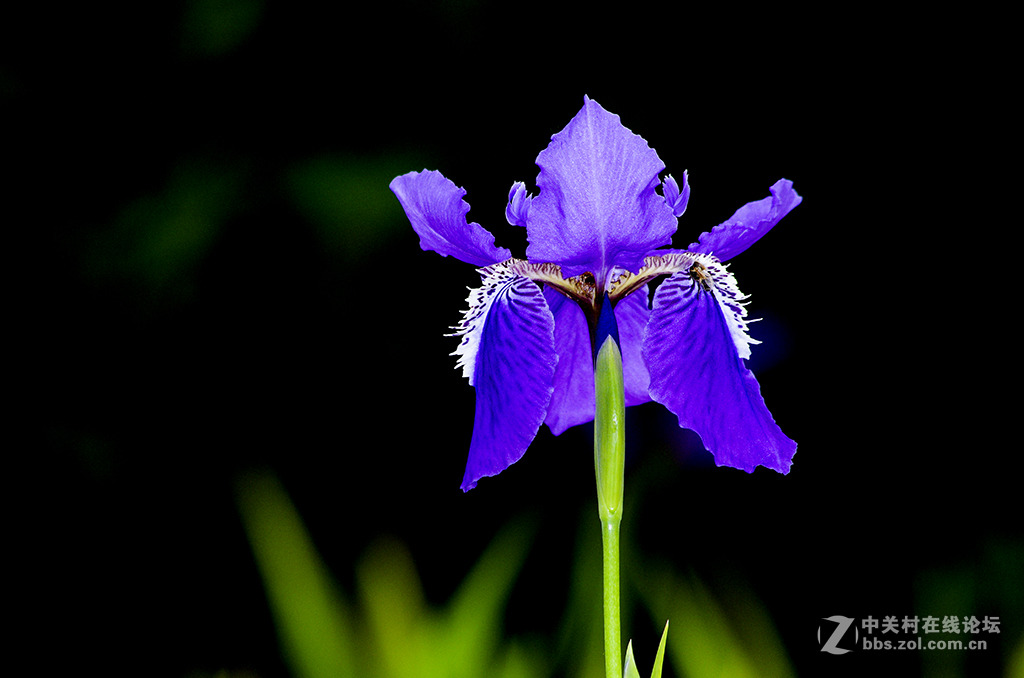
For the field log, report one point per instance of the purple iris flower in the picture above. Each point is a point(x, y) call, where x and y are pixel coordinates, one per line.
point(598, 232)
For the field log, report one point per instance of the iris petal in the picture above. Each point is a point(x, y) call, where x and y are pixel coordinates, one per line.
point(508, 352)
point(572, 402)
point(597, 207)
point(518, 204)
point(749, 223)
point(700, 378)
point(437, 212)
point(632, 316)
point(676, 197)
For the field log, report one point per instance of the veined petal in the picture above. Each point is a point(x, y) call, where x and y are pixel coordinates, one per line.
point(572, 402)
point(508, 354)
point(597, 207)
point(437, 212)
point(749, 223)
point(706, 270)
point(694, 356)
point(632, 315)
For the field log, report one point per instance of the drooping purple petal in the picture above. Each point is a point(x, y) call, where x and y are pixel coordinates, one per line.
point(632, 316)
point(508, 352)
point(597, 206)
point(572, 402)
point(437, 212)
point(696, 372)
point(749, 223)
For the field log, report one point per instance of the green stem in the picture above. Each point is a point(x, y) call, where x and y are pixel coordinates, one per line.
point(610, 567)
point(609, 463)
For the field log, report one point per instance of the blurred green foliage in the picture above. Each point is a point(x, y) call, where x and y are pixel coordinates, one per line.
point(994, 581)
point(390, 631)
point(709, 640)
point(313, 621)
point(348, 201)
point(215, 27)
point(158, 240)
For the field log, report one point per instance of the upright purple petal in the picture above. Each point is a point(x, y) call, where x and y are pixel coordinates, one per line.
point(676, 197)
point(518, 204)
point(597, 206)
point(696, 372)
point(508, 352)
point(437, 212)
point(749, 223)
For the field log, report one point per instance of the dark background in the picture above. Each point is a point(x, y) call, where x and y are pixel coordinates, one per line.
point(217, 280)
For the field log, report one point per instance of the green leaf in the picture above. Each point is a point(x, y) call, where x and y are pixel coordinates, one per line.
point(630, 671)
point(311, 618)
point(396, 615)
point(715, 641)
point(474, 613)
point(660, 658)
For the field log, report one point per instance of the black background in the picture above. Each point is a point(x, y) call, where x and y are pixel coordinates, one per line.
point(152, 384)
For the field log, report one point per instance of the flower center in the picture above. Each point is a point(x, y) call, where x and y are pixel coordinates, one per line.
point(703, 269)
